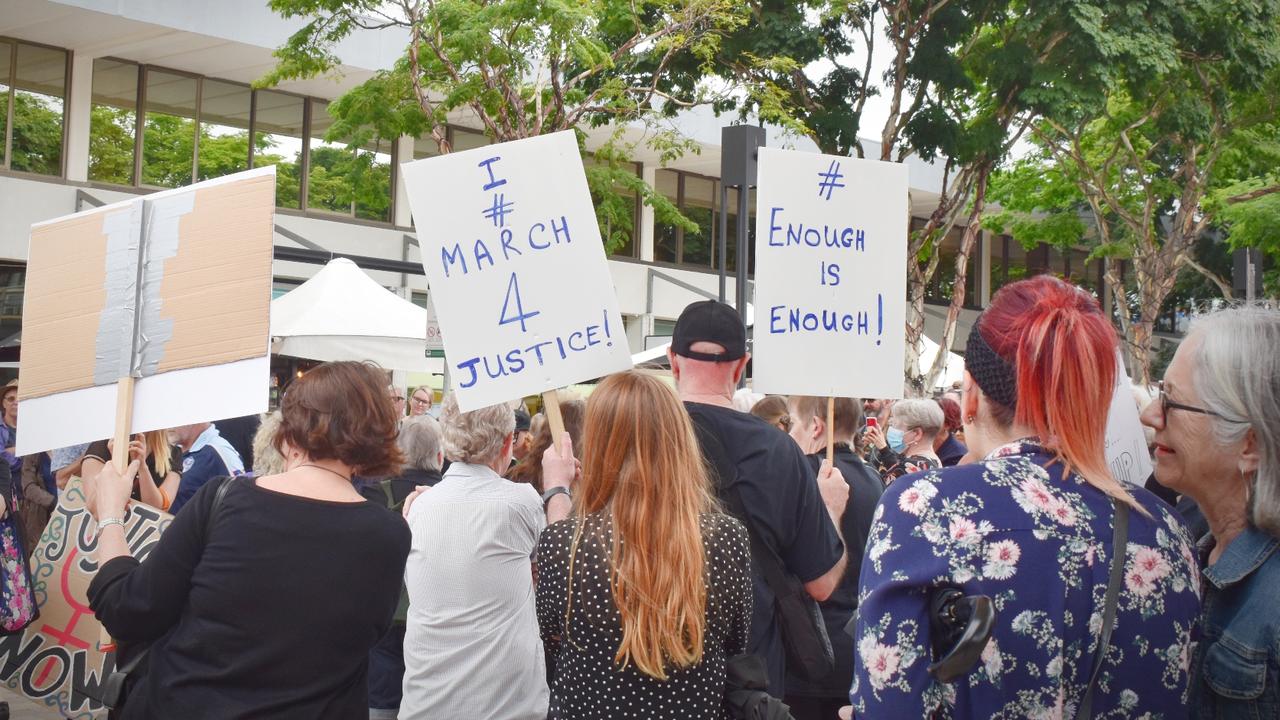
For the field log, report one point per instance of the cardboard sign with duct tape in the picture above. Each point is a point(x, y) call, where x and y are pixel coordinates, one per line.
point(172, 289)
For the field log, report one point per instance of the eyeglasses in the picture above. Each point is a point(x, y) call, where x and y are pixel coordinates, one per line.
point(1166, 404)
point(420, 401)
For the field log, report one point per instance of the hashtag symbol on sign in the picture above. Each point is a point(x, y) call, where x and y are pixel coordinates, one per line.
point(828, 180)
point(498, 210)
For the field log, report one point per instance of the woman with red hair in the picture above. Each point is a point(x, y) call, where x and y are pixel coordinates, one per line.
point(1034, 525)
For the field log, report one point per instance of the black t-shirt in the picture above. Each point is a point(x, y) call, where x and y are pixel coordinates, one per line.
point(779, 491)
point(865, 489)
point(100, 451)
point(274, 617)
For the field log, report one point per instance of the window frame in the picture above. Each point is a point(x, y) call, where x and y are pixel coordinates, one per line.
point(6, 167)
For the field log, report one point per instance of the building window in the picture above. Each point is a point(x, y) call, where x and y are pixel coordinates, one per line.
point(196, 128)
point(33, 82)
point(617, 208)
point(113, 121)
point(341, 179)
point(12, 284)
point(169, 129)
point(666, 238)
point(279, 120)
point(223, 145)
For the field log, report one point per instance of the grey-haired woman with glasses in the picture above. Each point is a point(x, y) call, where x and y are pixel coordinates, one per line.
point(1217, 441)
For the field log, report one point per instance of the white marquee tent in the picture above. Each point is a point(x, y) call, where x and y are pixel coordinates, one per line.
point(343, 314)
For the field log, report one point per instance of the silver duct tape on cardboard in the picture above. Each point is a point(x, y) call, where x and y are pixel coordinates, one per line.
point(113, 345)
point(160, 242)
point(131, 332)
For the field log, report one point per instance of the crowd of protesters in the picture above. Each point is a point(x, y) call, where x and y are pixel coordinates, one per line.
point(687, 549)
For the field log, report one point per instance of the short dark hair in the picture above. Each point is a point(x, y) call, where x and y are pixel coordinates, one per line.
point(340, 411)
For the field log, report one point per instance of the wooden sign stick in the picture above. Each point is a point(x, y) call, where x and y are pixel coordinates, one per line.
point(831, 434)
point(124, 421)
point(551, 406)
point(120, 459)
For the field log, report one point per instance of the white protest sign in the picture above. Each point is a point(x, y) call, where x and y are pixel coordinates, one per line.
point(831, 258)
point(516, 268)
point(1126, 441)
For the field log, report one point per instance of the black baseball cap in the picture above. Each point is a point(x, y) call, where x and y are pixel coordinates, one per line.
point(714, 322)
point(522, 419)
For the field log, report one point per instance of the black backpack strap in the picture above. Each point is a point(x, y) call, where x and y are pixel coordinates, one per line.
point(1119, 550)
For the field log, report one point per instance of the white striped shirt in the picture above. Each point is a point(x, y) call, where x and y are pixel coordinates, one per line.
point(471, 647)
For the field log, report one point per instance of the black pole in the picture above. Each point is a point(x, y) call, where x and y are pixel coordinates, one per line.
point(723, 251)
point(744, 194)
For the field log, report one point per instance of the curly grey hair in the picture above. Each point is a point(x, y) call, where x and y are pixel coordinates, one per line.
point(1237, 374)
point(419, 440)
point(477, 436)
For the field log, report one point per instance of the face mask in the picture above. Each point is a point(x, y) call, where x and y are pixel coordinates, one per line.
point(896, 441)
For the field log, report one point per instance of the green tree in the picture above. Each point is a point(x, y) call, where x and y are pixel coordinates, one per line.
point(522, 68)
point(1168, 152)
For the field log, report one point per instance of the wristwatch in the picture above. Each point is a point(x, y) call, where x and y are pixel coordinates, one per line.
point(552, 492)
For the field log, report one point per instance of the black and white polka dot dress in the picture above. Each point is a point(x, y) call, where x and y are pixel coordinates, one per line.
point(588, 684)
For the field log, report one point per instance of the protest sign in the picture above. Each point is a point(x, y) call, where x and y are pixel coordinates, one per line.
point(831, 257)
point(1126, 449)
point(516, 268)
point(159, 302)
point(58, 659)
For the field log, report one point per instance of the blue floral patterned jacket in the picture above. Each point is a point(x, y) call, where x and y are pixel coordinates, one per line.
point(1013, 528)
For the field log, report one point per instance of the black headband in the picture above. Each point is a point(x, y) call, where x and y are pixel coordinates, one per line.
point(993, 373)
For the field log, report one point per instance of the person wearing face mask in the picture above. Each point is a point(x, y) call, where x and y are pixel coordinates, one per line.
point(907, 446)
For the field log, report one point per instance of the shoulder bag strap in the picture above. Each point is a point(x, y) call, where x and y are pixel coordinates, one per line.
point(218, 495)
point(1119, 550)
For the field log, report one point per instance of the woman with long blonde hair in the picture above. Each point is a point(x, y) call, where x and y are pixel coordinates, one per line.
point(160, 471)
point(645, 592)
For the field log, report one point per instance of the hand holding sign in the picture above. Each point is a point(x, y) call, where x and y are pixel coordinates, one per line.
point(517, 271)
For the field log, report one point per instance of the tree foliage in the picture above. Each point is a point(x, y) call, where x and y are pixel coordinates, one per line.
point(1179, 142)
point(521, 68)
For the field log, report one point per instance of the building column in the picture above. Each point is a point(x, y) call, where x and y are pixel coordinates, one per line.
point(79, 104)
point(984, 268)
point(404, 153)
point(649, 174)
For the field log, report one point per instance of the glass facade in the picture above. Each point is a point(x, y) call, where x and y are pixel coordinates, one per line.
point(195, 128)
point(33, 83)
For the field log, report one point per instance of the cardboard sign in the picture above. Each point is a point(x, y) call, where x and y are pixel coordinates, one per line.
point(831, 258)
point(172, 289)
point(1126, 451)
point(517, 271)
point(58, 660)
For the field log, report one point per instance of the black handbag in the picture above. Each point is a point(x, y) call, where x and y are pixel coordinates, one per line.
point(804, 633)
point(116, 686)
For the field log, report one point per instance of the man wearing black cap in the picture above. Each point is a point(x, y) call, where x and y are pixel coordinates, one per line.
point(786, 507)
point(522, 439)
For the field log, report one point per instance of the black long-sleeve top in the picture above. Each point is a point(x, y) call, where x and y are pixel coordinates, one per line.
point(274, 617)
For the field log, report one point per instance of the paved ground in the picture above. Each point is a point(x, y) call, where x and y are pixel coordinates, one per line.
point(20, 708)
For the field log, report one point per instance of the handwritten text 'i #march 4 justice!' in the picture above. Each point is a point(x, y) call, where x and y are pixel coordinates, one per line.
point(517, 272)
point(539, 236)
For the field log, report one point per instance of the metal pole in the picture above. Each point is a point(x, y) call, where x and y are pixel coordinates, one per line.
point(723, 249)
point(1249, 288)
point(743, 197)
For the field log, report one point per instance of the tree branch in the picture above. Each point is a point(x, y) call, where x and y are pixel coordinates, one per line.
point(1224, 287)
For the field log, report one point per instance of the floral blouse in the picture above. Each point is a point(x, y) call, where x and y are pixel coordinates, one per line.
point(893, 465)
point(1013, 528)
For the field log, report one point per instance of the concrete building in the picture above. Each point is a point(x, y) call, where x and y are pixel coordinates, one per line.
point(103, 99)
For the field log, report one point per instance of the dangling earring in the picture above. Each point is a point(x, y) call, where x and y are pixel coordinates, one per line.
point(969, 420)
